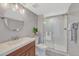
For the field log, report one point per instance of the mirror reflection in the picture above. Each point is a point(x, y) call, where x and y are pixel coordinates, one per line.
point(14, 25)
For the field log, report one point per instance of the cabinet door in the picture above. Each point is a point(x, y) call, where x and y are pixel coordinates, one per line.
point(28, 50)
point(32, 51)
point(22, 54)
point(27, 53)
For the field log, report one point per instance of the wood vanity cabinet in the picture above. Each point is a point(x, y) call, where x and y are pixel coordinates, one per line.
point(27, 50)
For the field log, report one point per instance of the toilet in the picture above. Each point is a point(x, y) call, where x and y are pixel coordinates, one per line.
point(40, 50)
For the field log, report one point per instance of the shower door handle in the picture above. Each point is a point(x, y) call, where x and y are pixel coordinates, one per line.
point(65, 28)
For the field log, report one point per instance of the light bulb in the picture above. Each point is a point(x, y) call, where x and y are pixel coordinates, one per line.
point(22, 11)
point(15, 7)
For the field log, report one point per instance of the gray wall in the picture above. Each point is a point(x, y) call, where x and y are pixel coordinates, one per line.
point(73, 17)
point(30, 20)
point(41, 28)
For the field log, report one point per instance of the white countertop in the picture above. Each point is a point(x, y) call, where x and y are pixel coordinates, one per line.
point(10, 46)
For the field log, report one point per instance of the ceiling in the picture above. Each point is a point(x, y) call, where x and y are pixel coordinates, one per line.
point(47, 9)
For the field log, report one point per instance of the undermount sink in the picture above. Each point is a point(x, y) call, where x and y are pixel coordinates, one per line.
point(13, 42)
point(2, 46)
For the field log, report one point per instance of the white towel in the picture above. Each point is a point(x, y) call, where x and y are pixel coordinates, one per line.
point(48, 36)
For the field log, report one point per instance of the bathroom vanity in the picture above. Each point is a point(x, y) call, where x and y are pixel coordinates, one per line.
point(27, 50)
point(19, 47)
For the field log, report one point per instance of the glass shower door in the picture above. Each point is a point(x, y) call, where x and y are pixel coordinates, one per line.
point(55, 33)
point(48, 34)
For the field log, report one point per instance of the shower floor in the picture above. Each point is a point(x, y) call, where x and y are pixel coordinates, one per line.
point(53, 52)
point(42, 50)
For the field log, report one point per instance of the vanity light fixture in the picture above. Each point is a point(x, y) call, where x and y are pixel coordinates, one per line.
point(14, 7)
point(19, 9)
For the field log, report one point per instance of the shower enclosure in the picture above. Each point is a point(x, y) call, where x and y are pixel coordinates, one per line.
point(73, 30)
point(55, 34)
point(61, 33)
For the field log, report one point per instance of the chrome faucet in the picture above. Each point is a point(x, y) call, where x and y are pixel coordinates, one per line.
point(15, 38)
